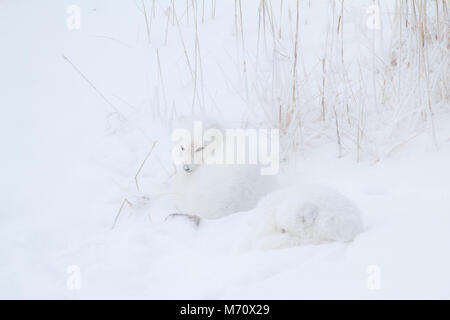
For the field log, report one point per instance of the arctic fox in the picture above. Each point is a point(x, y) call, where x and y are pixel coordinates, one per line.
point(306, 214)
point(300, 214)
point(213, 190)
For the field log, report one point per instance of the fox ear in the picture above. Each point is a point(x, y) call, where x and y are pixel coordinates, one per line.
point(209, 150)
point(212, 144)
point(212, 148)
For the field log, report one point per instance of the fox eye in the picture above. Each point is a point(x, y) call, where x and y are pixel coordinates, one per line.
point(182, 148)
point(199, 149)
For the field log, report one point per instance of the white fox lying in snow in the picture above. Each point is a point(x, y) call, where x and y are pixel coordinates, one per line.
point(287, 217)
point(213, 190)
point(306, 214)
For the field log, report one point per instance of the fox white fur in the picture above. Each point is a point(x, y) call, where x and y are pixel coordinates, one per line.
point(214, 190)
point(300, 214)
point(305, 214)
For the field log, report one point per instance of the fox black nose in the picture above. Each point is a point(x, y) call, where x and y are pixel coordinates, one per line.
point(187, 168)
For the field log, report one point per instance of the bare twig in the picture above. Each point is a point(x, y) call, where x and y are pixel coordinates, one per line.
point(120, 210)
point(146, 21)
point(93, 86)
point(161, 78)
point(142, 165)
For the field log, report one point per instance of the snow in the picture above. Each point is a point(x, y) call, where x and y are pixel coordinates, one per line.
point(69, 161)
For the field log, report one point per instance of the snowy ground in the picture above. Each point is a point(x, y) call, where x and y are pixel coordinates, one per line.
point(68, 162)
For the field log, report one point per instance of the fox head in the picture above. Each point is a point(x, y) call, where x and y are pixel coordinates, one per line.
point(196, 146)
